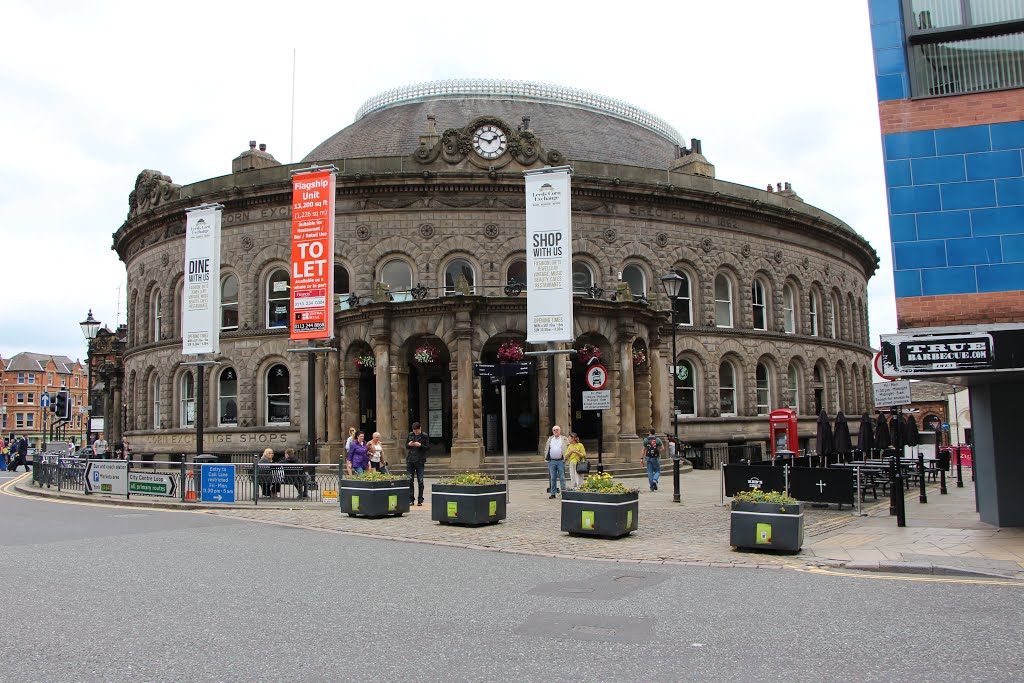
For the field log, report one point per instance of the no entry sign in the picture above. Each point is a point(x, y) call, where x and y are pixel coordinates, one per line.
point(597, 377)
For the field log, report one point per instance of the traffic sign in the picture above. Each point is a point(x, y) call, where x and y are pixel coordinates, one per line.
point(597, 400)
point(218, 483)
point(107, 476)
point(945, 426)
point(597, 377)
point(151, 484)
point(44, 401)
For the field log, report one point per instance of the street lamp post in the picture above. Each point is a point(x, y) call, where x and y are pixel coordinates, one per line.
point(90, 327)
point(673, 282)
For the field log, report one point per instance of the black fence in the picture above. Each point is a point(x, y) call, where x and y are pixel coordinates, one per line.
point(714, 457)
point(808, 484)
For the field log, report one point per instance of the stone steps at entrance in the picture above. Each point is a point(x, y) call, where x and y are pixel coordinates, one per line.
point(530, 467)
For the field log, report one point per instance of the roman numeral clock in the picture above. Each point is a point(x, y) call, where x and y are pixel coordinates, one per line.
point(489, 141)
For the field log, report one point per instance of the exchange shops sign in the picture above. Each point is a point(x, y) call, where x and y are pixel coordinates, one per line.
point(952, 354)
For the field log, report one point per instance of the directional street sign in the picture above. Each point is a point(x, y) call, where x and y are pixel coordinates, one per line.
point(502, 371)
point(44, 401)
point(218, 483)
point(108, 476)
point(151, 484)
point(597, 377)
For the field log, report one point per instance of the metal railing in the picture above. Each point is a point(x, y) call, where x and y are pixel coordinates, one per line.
point(713, 457)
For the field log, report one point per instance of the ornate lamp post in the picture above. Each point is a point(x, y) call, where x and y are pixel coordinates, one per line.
point(673, 282)
point(90, 327)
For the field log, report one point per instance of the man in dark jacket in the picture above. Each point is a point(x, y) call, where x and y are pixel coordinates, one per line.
point(418, 443)
point(22, 455)
point(295, 474)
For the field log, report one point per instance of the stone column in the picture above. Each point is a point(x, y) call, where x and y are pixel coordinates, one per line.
point(334, 429)
point(116, 434)
point(627, 392)
point(563, 383)
point(661, 389)
point(382, 376)
point(467, 450)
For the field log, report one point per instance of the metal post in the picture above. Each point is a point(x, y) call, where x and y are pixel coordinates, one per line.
point(200, 410)
point(504, 436)
point(311, 407)
point(551, 387)
point(600, 440)
point(676, 486)
point(892, 488)
point(923, 495)
point(942, 482)
point(959, 472)
point(184, 482)
point(901, 509)
point(859, 494)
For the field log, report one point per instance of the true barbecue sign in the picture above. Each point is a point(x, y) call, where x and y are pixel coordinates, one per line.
point(919, 354)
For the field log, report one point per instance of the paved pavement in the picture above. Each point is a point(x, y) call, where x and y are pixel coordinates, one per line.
point(943, 536)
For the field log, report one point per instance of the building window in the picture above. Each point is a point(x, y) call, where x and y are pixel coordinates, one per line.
point(793, 381)
point(31, 398)
point(187, 394)
point(78, 379)
point(836, 317)
point(156, 402)
point(19, 420)
point(635, 277)
point(279, 402)
point(726, 389)
point(155, 315)
point(21, 397)
point(812, 310)
point(789, 309)
point(764, 390)
point(278, 299)
point(227, 393)
point(31, 378)
point(229, 303)
point(341, 280)
point(818, 380)
point(21, 378)
point(3, 421)
point(397, 275)
point(686, 389)
point(582, 278)
point(459, 278)
point(684, 303)
point(30, 420)
point(723, 301)
point(49, 379)
point(760, 310)
point(964, 46)
point(516, 273)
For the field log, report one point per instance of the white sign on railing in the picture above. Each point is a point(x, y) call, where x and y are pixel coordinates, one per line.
point(892, 393)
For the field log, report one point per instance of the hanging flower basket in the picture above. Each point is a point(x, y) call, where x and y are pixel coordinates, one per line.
point(639, 357)
point(426, 354)
point(585, 353)
point(366, 362)
point(510, 352)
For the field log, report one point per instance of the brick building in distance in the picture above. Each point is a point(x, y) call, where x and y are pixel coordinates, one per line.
point(950, 80)
point(25, 378)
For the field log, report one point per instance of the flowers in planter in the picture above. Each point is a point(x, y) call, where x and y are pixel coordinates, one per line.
point(759, 496)
point(469, 479)
point(426, 354)
point(374, 475)
point(585, 353)
point(639, 357)
point(603, 482)
point(510, 352)
point(365, 362)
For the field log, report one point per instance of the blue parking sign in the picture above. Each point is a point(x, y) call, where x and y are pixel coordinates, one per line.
point(218, 483)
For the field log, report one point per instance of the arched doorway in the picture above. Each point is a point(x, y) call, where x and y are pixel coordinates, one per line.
point(361, 358)
point(430, 390)
point(520, 397)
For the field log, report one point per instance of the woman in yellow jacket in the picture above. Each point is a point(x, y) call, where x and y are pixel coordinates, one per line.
point(575, 454)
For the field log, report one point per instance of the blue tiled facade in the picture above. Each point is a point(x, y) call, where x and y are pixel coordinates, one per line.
point(956, 195)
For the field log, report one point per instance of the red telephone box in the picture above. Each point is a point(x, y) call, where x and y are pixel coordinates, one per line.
point(782, 423)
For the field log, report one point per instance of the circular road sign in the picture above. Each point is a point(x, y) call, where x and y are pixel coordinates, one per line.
point(597, 377)
point(878, 367)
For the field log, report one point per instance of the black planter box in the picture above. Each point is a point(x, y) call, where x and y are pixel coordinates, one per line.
point(467, 505)
point(373, 498)
point(608, 515)
point(767, 526)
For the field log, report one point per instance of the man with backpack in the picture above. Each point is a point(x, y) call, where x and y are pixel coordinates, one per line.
point(653, 447)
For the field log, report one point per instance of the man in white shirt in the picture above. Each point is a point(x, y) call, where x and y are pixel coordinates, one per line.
point(99, 447)
point(554, 453)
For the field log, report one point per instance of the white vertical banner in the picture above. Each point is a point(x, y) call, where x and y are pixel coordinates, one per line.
point(548, 256)
point(200, 297)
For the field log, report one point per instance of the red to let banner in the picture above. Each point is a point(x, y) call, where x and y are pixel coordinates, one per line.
point(312, 297)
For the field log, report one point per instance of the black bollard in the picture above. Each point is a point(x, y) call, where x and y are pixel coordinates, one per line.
point(959, 472)
point(892, 488)
point(942, 482)
point(675, 480)
point(923, 495)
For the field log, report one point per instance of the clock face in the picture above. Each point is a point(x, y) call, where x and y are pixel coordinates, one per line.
point(490, 141)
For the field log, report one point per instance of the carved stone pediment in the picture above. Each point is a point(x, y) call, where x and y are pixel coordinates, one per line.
point(456, 145)
point(152, 188)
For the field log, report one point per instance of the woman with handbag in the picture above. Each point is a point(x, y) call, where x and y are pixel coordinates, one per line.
point(376, 452)
point(576, 459)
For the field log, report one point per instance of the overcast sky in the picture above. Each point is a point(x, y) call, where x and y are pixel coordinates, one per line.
point(91, 93)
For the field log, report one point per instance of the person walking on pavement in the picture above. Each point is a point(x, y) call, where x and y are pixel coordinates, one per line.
point(99, 447)
point(358, 460)
point(653, 447)
point(554, 453)
point(417, 444)
point(376, 452)
point(574, 455)
point(21, 455)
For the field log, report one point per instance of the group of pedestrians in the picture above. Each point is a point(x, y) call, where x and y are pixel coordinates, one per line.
point(563, 452)
point(362, 456)
point(15, 453)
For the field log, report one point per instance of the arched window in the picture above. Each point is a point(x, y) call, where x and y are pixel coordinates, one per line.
point(789, 309)
point(726, 389)
point(793, 382)
point(812, 310)
point(836, 316)
point(278, 298)
point(229, 303)
point(723, 301)
point(764, 389)
point(187, 395)
point(516, 274)
point(227, 398)
point(635, 277)
point(459, 277)
point(684, 303)
point(155, 401)
point(818, 380)
point(686, 389)
point(840, 382)
point(341, 281)
point(154, 312)
point(397, 275)
point(279, 399)
point(582, 277)
point(758, 305)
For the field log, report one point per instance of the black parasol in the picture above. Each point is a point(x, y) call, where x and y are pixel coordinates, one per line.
point(910, 435)
point(824, 442)
point(882, 439)
point(866, 435)
point(841, 437)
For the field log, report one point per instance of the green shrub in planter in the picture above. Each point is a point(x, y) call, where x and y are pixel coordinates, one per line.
point(766, 520)
point(600, 507)
point(374, 494)
point(468, 499)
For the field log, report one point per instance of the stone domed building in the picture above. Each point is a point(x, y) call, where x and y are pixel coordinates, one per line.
point(430, 254)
